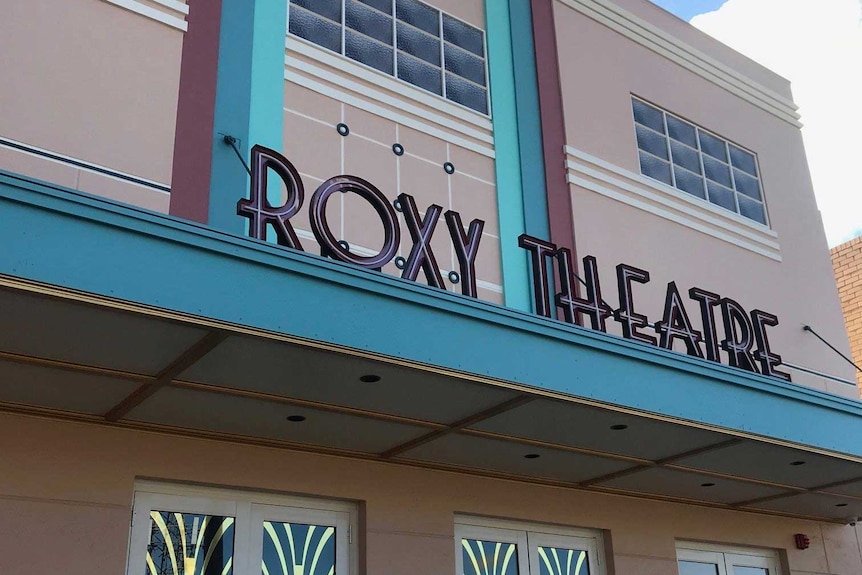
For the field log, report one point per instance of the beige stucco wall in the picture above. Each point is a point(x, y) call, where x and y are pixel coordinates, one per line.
point(95, 82)
point(66, 491)
point(601, 69)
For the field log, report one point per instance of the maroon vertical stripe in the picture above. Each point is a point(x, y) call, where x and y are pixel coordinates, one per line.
point(193, 142)
point(553, 120)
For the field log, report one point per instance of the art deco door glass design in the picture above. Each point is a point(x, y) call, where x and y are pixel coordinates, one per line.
point(296, 549)
point(555, 561)
point(489, 557)
point(190, 544)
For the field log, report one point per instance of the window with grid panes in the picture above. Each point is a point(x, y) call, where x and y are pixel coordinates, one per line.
point(687, 157)
point(408, 39)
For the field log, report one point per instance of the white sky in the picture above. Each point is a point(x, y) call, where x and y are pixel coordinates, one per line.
point(817, 45)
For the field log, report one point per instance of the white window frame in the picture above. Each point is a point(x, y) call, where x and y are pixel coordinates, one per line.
point(727, 557)
point(528, 537)
point(248, 510)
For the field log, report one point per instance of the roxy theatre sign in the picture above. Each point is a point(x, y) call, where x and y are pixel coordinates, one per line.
point(725, 324)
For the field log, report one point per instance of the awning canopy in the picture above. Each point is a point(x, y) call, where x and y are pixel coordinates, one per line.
point(78, 356)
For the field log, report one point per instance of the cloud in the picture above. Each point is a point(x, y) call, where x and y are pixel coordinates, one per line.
point(817, 45)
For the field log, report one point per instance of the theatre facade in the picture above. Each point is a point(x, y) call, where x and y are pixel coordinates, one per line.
point(384, 287)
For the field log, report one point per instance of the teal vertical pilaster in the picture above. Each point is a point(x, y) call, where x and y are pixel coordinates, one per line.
point(510, 197)
point(249, 99)
point(521, 193)
point(529, 120)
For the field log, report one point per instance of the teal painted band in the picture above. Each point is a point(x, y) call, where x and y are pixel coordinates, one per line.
point(529, 121)
point(84, 243)
point(510, 197)
point(249, 99)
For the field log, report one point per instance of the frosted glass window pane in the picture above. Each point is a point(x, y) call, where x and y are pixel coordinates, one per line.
point(367, 51)
point(316, 29)
point(713, 146)
point(681, 131)
point(555, 561)
point(689, 182)
point(746, 184)
point(419, 44)
point(382, 5)
point(721, 196)
point(466, 93)
point(716, 171)
point(648, 116)
point(752, 210)
point(370, 22)
point(693, 568)
point(297, 549)
point(484, 557)
point(420, 73)
point(418, 15)
point(685, 157)
point(743, 160)
point(189, 544)
point(655, 168)
point(465, 64)
point(330, 9)
point(463, 35)
point(649, 141)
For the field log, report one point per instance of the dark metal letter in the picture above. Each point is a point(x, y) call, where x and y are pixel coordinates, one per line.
point(329, 245)
point(539, 250)
point(768, 360)
point(708, 301)
point(258, 209)
point(737, 344)
point(626, 314)
point(593, 306)
point(466, 248)
point(421, 256)
point(675, 324)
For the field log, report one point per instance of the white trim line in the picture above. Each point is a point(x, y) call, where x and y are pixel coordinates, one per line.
point(694, 60)
point(668, 203)
point(386, 82)
point(174, 5)
point(758, 231)
point(152, 13)
point(88, 166)
point(326, 90)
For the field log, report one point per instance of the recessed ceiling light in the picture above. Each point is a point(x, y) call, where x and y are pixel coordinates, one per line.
point(532, 456)
point(370, 378)
point(841, 505)
point(619, 427)
point(797, 463)
point(707, 484)
point(296, 418)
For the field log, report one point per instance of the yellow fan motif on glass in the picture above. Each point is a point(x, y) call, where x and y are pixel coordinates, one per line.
point(296, 549)
point(189, 544)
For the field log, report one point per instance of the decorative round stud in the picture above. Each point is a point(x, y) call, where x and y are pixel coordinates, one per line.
point(397, 205)
point(398, 149)
point(343, 129)
point(400, 263)
point(344, 244)
point(454, 277)
point(449, 167)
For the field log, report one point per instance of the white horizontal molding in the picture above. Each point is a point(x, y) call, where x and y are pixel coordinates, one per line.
point(387, 82)
point(175, 20)
point(689, 57)
point(309, 82)
point(640, 192)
